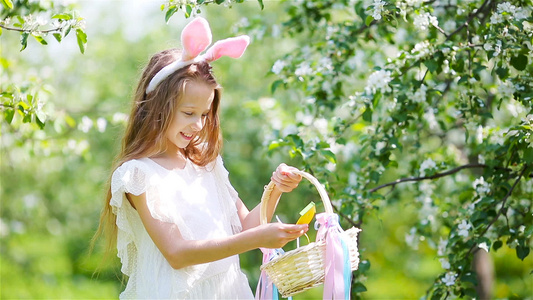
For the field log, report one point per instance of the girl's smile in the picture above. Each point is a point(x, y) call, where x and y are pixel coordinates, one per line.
point(190, 115)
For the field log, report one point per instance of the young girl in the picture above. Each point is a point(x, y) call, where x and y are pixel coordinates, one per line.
point(178, 222)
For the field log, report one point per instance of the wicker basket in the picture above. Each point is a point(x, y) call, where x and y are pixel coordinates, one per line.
point(303, 268)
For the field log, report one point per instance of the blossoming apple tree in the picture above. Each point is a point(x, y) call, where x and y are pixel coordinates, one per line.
point(432, 93)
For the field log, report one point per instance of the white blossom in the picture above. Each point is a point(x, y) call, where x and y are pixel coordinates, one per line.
point(444, 263)
point(412, 239)
point(421, 49)
point(379, 146)
point(379, 80)
point(496, 18)
point(481, 186)
point(420, 95)
point(528, 27)
point(325, 64)
point(305, 119)
point(278, 66)
point(266, 103)
point(497, 137)
point(321, 125)
point(442, 247)
point(101, 124)
point(449, 278)
point(522, 13)
point(479, 135)
point(4, 228)
point(449, 25)
point(426, 188)
point(119, 118)
point(515, 108)
point(427, 164)
point(86, 124)
point(424, 19)
point(303, 69)
point(484, 246)
point(497, 48)
point(378, 9)
point(463, 228)
point(291, 129)
point(414, 2)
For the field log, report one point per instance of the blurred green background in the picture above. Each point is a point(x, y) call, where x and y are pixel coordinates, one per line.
point(52, 185)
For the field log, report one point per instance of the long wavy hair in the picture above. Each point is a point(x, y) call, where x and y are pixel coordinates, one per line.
point(149, 120)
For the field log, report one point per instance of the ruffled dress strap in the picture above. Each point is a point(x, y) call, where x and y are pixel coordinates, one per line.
point(135, 177)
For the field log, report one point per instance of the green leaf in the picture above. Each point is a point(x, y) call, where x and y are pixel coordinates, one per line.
point(528, 155)
point(9, 113)
point(219, 1)
point(330, 156)
point(364, 266)
point(22, 106)
point(82, 40)
point(8, 3)
point(502, 72)
point(58, 37)
point(40, 39)
point(40, 119)
point(27, 118)
point(469, 277)
point(368, 20)
point(431, 65)
point(358, 288)
point(62, 16)
point(170, 12)
point(522, 251)
point(188, 10)
point(275, 85)
point(24, 40)
point(367, 115)
point(519, 62)
point(261, 4)
point(276, 144)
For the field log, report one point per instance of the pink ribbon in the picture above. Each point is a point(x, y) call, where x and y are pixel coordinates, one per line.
point(337, 277)
point(265, 287)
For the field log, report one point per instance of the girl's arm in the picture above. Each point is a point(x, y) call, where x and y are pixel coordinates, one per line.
point(181, 253)
point(285, 181)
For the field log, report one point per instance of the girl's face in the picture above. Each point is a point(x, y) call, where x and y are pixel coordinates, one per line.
point(189, 117)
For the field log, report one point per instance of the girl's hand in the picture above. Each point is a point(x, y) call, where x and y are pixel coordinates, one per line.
point(277, 235)
point(285, 178)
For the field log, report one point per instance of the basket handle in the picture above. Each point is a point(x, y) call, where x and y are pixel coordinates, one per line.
point(270, 187)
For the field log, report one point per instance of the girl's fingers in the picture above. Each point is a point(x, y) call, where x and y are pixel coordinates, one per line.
point(296, 229)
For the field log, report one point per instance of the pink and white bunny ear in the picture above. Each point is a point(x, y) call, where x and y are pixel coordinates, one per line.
point(195, 38)
point(232, 47)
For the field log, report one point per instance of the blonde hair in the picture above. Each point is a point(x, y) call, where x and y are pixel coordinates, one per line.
point(149, 120)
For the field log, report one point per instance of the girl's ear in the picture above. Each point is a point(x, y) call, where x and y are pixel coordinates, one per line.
point(195, 38)
point(232, 47)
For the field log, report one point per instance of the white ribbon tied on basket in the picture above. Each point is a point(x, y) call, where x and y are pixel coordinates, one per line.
point(195, 38)
point(338, 273)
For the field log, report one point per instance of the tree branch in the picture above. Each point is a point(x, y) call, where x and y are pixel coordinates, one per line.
point(470, 18)
point(435, 176)
point(503, 204)
point(29, 30)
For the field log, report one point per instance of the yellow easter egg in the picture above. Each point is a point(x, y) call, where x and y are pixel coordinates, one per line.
point(307, 214)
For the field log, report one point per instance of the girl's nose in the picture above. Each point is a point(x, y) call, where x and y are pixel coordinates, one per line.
point(198, 124)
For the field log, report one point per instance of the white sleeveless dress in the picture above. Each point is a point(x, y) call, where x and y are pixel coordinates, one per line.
point(201, 202)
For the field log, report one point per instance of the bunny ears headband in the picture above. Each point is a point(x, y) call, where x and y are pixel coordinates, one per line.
point(195, 38)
